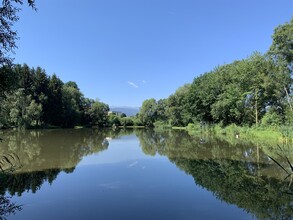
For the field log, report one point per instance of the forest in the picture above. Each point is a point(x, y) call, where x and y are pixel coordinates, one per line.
point(253, 91)
point(31, 98)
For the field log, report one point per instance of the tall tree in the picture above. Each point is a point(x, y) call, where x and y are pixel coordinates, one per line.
point(72, 104)
point(178, 107)
point(148, 113)
point(20, 110)
point(97, 113)
point(41, 92)
point(55, 101)
point(282, 46)
point(8, 80)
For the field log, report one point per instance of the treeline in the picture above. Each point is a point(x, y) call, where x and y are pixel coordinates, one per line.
point(31, 98)
point(252, 91)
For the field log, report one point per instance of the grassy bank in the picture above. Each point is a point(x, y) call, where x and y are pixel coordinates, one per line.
point(264, 135)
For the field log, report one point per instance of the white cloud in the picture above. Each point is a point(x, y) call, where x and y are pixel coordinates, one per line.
point(132, 164)
point(144, 82)
point(132, 84)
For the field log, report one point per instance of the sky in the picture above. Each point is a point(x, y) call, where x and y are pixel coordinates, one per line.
point(123, 52)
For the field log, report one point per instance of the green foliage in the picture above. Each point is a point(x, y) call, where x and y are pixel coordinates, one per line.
point(162, 125)
point(126, 121)
point(271, 119)
point(137, 121)
point(72, 104)
point(178, 108)
point(282, 46)
point(114, 120)
point(239, 93)
point(20, 110)
point(97, 114)
point(148, 113)
point(31, 98)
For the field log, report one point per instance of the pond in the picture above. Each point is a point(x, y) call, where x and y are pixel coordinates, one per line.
point(139, 174)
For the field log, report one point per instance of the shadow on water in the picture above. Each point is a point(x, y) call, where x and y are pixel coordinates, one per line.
point(240, 174)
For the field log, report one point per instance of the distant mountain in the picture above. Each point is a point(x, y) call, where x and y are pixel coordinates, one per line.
point(129, 111)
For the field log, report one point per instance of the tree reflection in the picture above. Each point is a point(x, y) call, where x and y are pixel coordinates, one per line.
point(8, 164)
point(28, 159)
point(7, 207)
point(45, 150)
point(18, 183)
point(240, 174)
point(42, 155)
point(237, 174)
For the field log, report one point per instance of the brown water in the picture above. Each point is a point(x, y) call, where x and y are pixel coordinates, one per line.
point(139, 174)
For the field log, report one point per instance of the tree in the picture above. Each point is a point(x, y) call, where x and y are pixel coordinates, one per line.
point(26, 78)
point(126, 121)
point(8, 80)
point(72, 106)
point(178, 107)
point(148, 112)
point(162, 106)
point(203, 93)
point(8, 36)
point(21, 110)
point(97, 113)
point(41, 92)
point(282, 46)
point(54, 114)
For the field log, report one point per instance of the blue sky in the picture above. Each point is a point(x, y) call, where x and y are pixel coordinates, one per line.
point(125, 51)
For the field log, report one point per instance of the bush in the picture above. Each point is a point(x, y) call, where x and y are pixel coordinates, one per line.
point(137, 121)
point(126, 121)
point(271, 119)
point(162, 125)
point(114, 120)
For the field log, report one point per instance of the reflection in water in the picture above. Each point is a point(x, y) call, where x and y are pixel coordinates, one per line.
point(239, 174)
point(44, 154)
point(7, 207)
point(40, 157)
point(8, 164)
point(41, 150)
point(235, 173)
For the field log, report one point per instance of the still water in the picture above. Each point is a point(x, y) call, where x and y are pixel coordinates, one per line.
point(139, 174)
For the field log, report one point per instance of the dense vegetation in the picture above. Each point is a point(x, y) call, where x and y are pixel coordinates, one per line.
point(29, 97)
point(251, 91)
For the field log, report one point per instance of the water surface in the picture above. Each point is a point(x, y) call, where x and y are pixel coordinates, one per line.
point(138, 174)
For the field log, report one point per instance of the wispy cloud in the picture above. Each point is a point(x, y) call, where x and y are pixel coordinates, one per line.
point(132, 84)
point(132, 164)
point(144, 82)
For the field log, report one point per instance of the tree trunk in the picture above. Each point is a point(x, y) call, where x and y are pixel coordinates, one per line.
point(256, 110)
point(288, 98)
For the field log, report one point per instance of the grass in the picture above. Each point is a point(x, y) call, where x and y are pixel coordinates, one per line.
point(132, 126)
point(264, 135)
point(179, 128)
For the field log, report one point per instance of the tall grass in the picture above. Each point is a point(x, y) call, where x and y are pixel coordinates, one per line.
point(265, 135)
